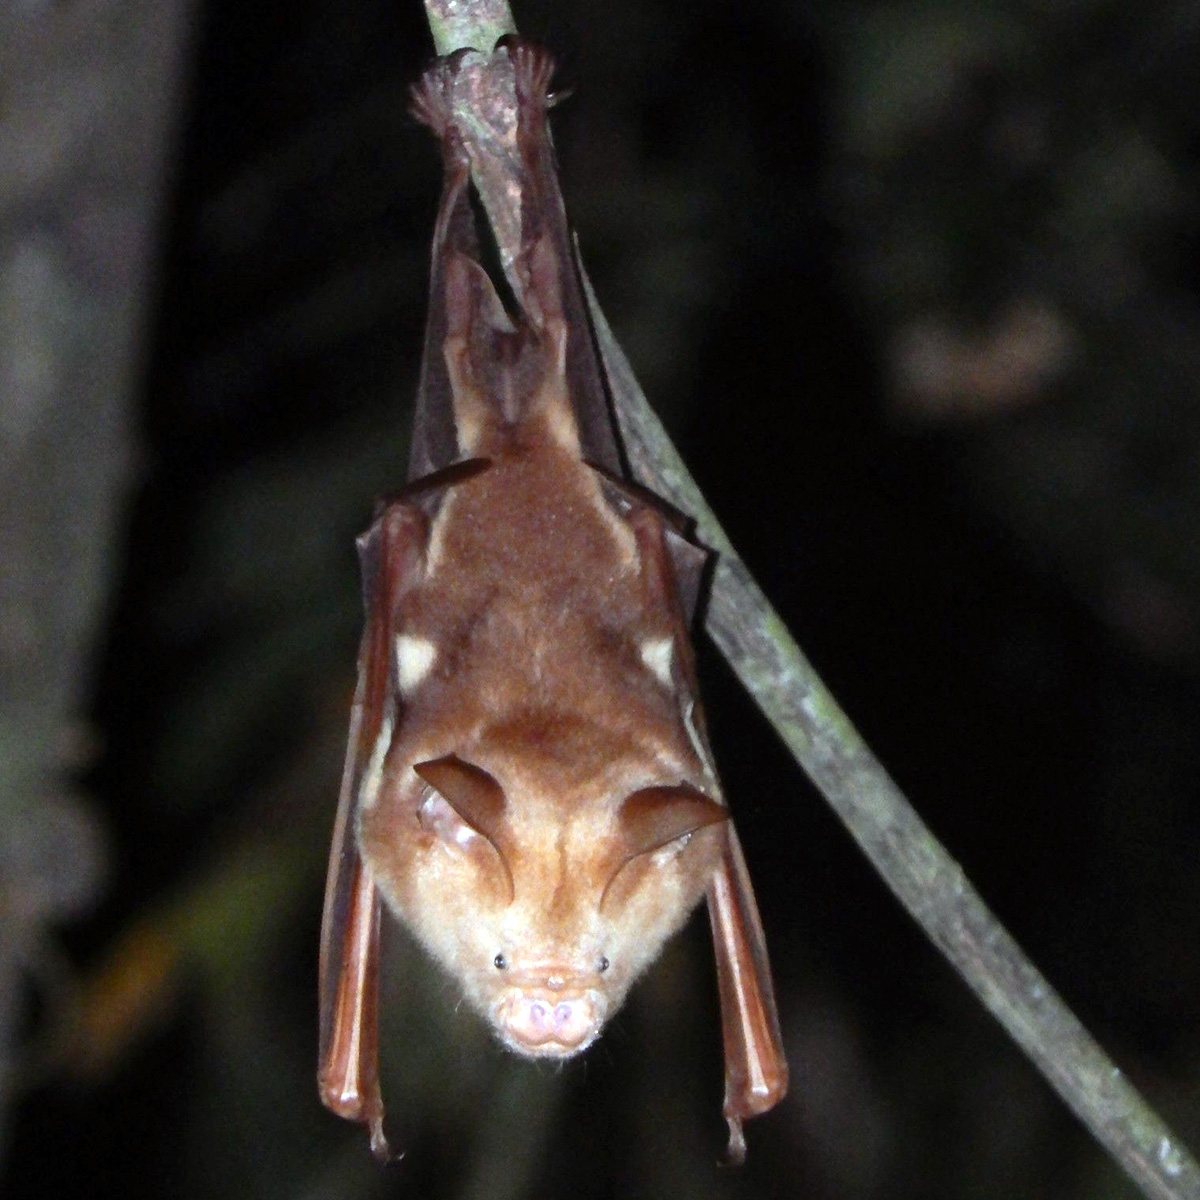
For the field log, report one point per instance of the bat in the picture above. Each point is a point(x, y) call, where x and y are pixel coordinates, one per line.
point(528, 785)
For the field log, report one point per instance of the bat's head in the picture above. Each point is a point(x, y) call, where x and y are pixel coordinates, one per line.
point(544, 910)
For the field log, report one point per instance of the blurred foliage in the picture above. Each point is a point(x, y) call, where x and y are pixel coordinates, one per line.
point(915, 285)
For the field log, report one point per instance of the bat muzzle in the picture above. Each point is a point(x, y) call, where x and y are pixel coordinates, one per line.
point(541, 1022)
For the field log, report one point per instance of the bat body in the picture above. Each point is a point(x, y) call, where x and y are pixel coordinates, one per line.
point(528, 785)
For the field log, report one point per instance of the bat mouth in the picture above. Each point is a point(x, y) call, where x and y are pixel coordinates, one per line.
point(540, 1023)
point(546, 1050)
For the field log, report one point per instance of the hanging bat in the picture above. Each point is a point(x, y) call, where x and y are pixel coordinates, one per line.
point(528, 784)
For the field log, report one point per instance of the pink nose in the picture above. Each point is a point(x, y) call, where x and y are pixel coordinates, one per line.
point(554, 1024)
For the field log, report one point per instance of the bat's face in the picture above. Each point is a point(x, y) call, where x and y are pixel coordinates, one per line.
point(544, 895)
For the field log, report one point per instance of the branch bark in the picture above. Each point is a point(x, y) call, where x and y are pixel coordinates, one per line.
point(765, 657)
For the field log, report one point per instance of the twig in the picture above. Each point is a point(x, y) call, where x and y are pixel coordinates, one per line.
point(759, 648)
point(458, 24)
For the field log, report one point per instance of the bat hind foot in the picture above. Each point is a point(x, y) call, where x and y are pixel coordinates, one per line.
point(429, 98)
point(533, 67)
point(430, 104)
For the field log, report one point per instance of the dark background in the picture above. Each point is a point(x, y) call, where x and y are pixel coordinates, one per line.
point(914, 286)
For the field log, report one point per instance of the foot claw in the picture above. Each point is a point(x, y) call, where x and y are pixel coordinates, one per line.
point(428, 102)
point(534, 68)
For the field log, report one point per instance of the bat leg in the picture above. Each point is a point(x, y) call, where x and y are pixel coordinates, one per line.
point(431, 103)
point(545, 241)
point(546, 276)
point(454, 228)
point(756, 1071)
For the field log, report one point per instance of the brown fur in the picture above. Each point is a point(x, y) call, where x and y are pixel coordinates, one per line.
point(537, 602)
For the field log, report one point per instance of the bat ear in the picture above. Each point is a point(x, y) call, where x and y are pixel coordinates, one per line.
point(654, 817)
point(465, 809)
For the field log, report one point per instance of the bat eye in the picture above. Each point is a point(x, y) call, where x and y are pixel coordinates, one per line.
point(500, 962)
point(603, 964)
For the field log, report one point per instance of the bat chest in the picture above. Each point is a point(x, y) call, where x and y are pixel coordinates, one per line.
point(529, 550)
point(535, 602)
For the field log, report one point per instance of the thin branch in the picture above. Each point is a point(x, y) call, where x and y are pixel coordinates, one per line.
point(459, 24)
point(765, 657)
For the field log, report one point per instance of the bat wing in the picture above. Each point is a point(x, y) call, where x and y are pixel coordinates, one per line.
point(756, 1070)
point(347, 1076)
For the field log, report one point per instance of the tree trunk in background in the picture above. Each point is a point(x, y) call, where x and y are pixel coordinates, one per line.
point(90, 92)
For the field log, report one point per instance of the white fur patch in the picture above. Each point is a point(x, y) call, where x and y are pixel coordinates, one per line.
point(415, 657)
point(657, 654)
point(373, 775)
